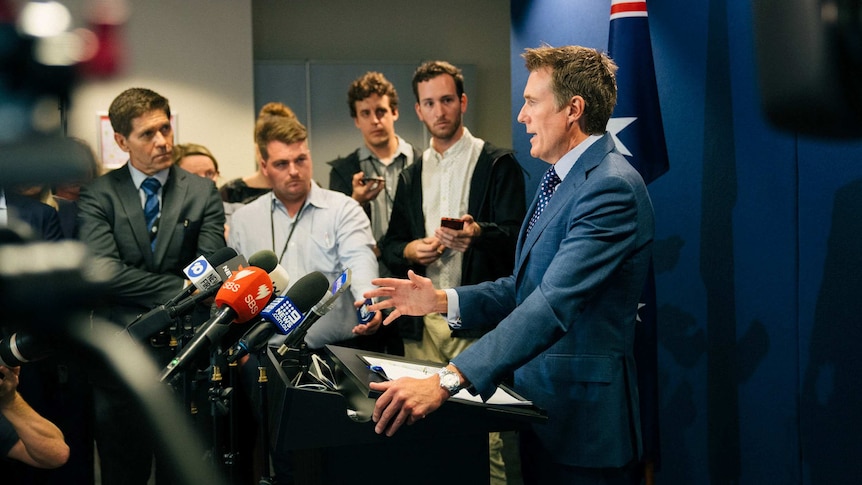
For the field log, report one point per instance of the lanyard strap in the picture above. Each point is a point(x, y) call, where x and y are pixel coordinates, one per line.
point(292, 228)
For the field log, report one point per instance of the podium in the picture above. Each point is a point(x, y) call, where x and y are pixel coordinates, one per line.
point(328, 437)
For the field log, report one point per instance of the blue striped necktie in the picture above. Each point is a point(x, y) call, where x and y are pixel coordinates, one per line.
point(151, 187)
point(549, 183)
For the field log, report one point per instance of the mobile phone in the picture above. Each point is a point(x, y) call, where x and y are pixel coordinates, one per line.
point(452, 223)
point(372, 182)
point(362, 313)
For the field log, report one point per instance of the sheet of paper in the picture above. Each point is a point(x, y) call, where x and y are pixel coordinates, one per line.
point(396, 369)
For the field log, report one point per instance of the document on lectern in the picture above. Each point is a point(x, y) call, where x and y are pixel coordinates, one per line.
point(394, 369)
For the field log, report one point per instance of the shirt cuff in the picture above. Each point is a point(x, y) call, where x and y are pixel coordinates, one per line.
point(453, 312)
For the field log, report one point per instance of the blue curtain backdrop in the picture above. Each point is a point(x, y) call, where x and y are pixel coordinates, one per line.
point(757, 255)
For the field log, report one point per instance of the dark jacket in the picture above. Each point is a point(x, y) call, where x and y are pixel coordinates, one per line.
point(41, 218)
point(343, 169)
point(496, 203)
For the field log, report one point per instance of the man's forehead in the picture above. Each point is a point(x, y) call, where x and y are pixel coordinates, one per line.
point(442, 82)
point(295, 149)
point(374, 100)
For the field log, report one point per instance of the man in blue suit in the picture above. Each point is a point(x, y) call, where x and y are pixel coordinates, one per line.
point(566, 317)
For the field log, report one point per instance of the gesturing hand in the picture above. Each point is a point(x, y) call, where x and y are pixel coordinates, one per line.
point(413, 296)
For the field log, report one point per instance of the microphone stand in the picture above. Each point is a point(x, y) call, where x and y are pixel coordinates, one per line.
point(303, 360)
point(219, 397)
point(232, 457)
point(265, 477)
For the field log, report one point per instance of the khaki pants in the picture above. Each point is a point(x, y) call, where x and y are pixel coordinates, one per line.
point(438, 345)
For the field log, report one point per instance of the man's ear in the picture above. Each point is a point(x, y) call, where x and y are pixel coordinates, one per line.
point(122, 142)
point(576, 108)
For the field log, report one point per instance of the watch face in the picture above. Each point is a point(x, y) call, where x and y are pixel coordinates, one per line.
point(450, 382)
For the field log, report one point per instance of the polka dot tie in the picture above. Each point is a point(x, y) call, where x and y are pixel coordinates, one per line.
point(549, 183)
point(151, 187)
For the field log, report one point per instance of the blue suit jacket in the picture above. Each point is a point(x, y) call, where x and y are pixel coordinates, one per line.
point(568, 313)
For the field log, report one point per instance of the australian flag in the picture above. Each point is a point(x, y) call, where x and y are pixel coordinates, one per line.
point(639, 135)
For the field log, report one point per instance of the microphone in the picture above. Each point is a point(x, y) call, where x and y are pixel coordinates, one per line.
point(297, 335)
point(21, 348)
point(267, 260)
point(225, 260)
point(282, 314)
point(239, 300)
point(202, 274)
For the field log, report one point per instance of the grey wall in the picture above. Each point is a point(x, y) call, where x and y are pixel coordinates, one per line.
point(317, 93)
point(198, 54)
point(343, 38)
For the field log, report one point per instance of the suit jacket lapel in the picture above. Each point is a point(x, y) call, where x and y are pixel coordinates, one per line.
point(130, 200)
point(173, 196)
point(562, 197)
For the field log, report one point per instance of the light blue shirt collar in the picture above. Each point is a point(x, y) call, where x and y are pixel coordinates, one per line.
point(565, 164)
point(314, 198)
point(138, 177)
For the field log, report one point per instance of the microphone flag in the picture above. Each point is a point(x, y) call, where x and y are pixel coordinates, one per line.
point(638, 132)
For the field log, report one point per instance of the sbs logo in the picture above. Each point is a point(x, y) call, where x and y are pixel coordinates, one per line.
point(251, 302)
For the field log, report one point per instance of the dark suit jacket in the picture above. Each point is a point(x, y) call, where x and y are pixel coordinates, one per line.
point(496, 203)
point(568, 313)
point(343, 169)
point(42, 218)
point(111, 223)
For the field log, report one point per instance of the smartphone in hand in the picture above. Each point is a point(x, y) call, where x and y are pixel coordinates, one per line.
point(372, 182)
point(452, 223)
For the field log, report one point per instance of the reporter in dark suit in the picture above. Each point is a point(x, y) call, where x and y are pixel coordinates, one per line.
point(567, 315)
point(147, 263)
point(41, 218)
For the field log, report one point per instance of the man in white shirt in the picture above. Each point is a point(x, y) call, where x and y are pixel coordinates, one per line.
point(459, 177)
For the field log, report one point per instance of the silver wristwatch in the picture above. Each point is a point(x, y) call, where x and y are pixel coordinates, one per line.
point(450, 381)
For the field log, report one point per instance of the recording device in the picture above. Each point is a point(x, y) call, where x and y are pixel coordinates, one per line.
point(293, 339)
point(239, 300)
point(56, 278)
point(452, 223)
point(21, 347)
point(268, 261)
point(226, 261)
point(816, 89)
point(283, 314)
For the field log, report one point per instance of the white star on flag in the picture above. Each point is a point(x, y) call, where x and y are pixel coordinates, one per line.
point(616, 125)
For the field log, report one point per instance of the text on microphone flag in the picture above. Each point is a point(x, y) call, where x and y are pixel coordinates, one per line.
point(282, 312)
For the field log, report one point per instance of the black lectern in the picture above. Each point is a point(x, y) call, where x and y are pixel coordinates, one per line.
point(329, 437)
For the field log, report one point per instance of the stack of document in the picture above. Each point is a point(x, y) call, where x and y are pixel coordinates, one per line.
point(395, 369)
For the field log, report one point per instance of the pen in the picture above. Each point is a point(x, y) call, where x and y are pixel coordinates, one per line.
point(379, 371)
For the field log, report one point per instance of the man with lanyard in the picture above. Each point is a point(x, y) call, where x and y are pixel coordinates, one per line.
point(309, 228)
